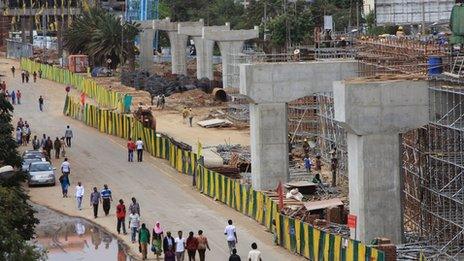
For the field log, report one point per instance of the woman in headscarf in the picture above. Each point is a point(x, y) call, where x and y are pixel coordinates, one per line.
point(157, 240)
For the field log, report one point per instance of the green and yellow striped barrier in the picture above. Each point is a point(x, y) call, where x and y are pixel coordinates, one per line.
point(292, 234)
point(105, 98)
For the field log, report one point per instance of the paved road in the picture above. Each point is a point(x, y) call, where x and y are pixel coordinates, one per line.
point(164, 194)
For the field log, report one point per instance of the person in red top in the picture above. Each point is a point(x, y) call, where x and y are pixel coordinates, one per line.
point(130, 150)
point(121, 216)
point(18, 96)
point(192, 246)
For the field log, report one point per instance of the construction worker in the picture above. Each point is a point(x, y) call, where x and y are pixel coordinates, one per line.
point(400, 32)
point(190, 116)
point(184, 114)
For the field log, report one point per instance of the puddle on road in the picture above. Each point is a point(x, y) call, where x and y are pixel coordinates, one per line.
point(69, 238)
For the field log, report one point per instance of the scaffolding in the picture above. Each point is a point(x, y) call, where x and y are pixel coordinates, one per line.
point(302, 118)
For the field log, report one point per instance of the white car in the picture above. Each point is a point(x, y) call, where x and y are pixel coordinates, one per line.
point(41, 173)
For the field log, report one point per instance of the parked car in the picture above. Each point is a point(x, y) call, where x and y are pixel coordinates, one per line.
point(29, 158)
point(41, 172)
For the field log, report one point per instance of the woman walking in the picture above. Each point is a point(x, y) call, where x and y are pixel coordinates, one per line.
point(64, 181)
point(157, 240)
point(202, 245)
point(192, 246)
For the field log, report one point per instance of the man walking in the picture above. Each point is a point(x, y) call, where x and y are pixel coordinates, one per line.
point(35, 143)
point(57, 147)
point(254, 254)
point(180, 247)
point(41, 103)
point(13, 70)
point(49, 147)
point(18, 96)
point(134, 207)
point(79, 195)
point(231, 234)
point(106, 198)
point(13, 97)
point(121, 217)
point(34, 75)
point(94, 200)
point(23, 76)
point(139, 144)
point(130, 150)
point(68, 134)
point(134, 223)
point(66, 168)
point(144, 240)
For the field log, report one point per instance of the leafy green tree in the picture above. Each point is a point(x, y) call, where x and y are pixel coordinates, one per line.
point(102, 36)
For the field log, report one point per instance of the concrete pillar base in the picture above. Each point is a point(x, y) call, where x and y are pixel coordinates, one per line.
point(204, 49)
point(375, 185)
point(269, 157)
point(178, 52)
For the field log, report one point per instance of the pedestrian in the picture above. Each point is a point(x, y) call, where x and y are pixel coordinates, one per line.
point(191, 245)
point(317, 179)
point(157, 240)
point(68, 134)
point(49, 146)
point(20, 123)
point(25, 131)
point(79, 195)
point(41, 103)
point(169, 247)
point(13, 70)
point(234, 256)
point(28, 132)
point(13, 97)
point(139, 144)
point(190, 116)
point(184, 115)
point(18, 96)
point(254, 254)
point(7, 95)
point(57, 147)
point(27, 77)
point(134, 223)
point(63, 146)
point(34, 75)
point(23, 76)
point(318, 163)
point(162, 101)
point(106, 198)
point(307, 164)
point(4, 86)
point(134, 206)
point(40, 73)
point(19, 136)
point(180, 246)
point(66, 168)
point(202, 245)
point(95, 198)
point(35, 143)
point(231, 234)
point(64, 181)
point(121, 217)
point(130, 150)
point(144, 240)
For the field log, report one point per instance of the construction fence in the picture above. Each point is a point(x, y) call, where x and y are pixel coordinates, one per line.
point(292, 234)
point(105, 98)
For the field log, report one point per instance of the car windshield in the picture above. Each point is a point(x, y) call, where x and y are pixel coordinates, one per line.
point(40, 167)
point(31, 156)
point(30, 160)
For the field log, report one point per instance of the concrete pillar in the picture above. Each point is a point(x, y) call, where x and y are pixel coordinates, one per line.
point(178, 52)
point(230, 43)
point(269, 145)
point(146, 48)
point(271, 86)
point(229, 49)
point(204, 49)
point(374, 114)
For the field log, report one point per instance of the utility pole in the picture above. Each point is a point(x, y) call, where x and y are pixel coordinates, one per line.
point(287, 28)
point(357, 14)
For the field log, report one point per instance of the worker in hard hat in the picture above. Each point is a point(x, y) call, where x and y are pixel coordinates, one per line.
point(400, 32)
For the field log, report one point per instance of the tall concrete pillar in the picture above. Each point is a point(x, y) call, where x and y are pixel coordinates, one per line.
point(269, 145)
point(178, 52)
point(146, 48)
point(230, 43)
point(374, 114)
point(270, 86)
point(204, 47)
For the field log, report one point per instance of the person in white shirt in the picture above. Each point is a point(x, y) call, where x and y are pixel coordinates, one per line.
point(139, 145)
point(231, 236)
point(254, 254)
point(180, 247)
point(79, 195)
point(134, 224)
point(66, 167)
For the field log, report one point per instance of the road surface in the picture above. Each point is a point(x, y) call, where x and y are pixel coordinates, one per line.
point(164, 194)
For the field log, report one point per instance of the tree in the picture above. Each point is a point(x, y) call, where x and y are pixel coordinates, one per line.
point(17, 219)
point(102, 36)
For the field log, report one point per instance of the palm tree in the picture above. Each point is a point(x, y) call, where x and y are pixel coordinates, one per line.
point(102, 36)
